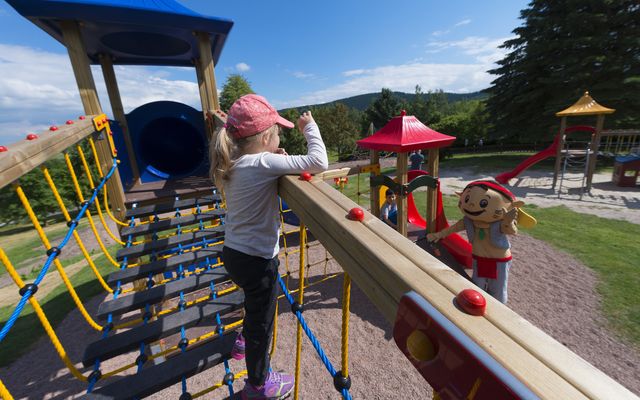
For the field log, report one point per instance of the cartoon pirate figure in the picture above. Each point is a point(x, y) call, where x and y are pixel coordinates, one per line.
point(490, 214)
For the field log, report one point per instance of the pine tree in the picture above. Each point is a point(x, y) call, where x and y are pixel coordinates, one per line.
point(563, 49)
point(385, 107)
point(339, 127)
point(235, 87)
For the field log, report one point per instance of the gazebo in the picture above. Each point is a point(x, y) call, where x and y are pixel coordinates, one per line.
point(403, 134)
point(586, 105)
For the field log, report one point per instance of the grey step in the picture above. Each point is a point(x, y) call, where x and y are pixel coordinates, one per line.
point(156, 294)
point(166, 224)
point(125, 341)
point(170, 242)
point(145, 211)
point(153, 379)
point(165, 265)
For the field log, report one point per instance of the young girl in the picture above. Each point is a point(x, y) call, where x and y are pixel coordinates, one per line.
point(246, 163)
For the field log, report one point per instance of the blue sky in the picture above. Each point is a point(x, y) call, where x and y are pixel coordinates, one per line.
point(293, 53)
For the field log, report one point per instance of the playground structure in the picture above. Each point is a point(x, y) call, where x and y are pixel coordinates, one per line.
point(178, 229)
point(609, 143)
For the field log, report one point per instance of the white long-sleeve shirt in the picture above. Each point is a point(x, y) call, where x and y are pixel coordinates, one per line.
point(252, 223)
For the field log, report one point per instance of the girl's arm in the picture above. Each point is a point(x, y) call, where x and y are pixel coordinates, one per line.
point(314, 161)
point(457, 227)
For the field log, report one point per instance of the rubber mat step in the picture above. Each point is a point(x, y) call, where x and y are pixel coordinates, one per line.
point(165, 265)
point(145, 211)
point(153, 379)
point(156, 294)
point(171, 242)
point(167, 325)
point(166, 224)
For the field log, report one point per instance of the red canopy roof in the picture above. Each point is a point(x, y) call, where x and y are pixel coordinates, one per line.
point(405, 133)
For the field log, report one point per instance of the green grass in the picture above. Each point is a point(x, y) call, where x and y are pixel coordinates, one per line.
point(56, 305)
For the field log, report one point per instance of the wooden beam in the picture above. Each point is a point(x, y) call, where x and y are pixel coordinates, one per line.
point(91, 103)
point(401, 177)
point(595, 145)
point(432, 194)
point(556, 168)
point(374, 194)
point(206, 73)
point(385, 265)
point(26, 155)
point(109, 75)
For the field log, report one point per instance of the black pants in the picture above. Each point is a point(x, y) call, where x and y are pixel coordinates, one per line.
point(258, 277)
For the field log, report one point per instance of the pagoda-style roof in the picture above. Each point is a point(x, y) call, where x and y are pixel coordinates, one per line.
point(405, 133)
point(586, 105)
point(134, 32)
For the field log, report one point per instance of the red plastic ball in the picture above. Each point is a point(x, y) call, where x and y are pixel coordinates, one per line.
point(3, 149)
point(472, 302)
point(53, 128)
point(82, 117)
point(356, 214)
point(32, 136)
point(69, 122)
point(305, 176)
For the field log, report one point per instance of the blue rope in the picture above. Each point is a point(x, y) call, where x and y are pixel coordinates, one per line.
point(312, 338)
point(27, 294)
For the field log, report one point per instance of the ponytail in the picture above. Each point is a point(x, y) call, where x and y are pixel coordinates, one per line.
point(221, 151)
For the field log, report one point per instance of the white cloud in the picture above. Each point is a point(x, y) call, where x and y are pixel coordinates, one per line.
point(303, 75)
point(440, 33)
point(36, 94)
point(463, 22)
point(242, 67)
point(354, 72)
point(457, 24)
point(482, 49)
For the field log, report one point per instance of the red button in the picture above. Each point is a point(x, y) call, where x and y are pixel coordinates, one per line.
point(32, 136)
point(356, 214)
point(53, 128)
point(472, 302)
point(3, 149)
point(305, 176)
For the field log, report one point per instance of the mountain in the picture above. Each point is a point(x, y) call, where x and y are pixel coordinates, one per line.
point(362, 101)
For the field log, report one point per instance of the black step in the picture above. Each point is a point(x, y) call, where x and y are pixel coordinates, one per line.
point(125, 341)
point(166, 224)
point(156, 294)
point(165, 265)
point(145, 211)
point(170, 242)
point(153, 379)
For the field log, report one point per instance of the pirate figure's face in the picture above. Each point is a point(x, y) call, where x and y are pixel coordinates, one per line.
point(484, 204)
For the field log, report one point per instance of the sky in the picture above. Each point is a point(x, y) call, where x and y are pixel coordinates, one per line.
point(293, 53)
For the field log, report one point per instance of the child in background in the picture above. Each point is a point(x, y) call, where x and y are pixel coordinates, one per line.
point(416, 158)
point(246, 163)
point(389, 210)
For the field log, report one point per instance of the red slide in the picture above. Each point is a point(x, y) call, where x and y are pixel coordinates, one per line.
point(458, 247)
point(550, 151)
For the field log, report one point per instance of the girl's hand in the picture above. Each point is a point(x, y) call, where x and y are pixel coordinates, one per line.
point(304, 119)
point(282, 151)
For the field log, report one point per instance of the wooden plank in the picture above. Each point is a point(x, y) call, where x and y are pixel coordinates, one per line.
point(595, 144)
point(558, 163)
point(375, 193)
point(398, 273)
point(166, 224)
point(575, 370)
point(122, 342)
point(334, 173)
point(24, 156)
point(401, 177)
point(159, 293)
point(166, 264)
point(111, 83)
point(172, 205)
point(432, 194)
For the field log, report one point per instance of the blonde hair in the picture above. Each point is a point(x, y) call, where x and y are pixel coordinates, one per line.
point(225, 149)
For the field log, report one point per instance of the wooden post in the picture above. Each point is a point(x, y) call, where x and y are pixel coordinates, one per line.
point(204, 99)
point(374, 195)
point(208, 77)
point(106, 61)
point(432, 194)
point(595, 144)
point(91, 104)
point(556, 169)
point(401, 176)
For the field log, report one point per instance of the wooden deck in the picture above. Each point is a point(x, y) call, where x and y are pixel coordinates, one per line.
point(157, 192)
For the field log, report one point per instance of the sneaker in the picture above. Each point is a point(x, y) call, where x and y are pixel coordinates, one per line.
point(276, 386)
point(237, 353)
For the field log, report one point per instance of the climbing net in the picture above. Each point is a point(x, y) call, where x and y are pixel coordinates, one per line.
point(90, 168)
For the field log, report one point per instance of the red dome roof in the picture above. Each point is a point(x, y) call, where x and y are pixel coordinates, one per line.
point(405, 133)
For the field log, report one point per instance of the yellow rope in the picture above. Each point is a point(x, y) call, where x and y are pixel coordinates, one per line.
point(346, 300)
point(4, 393)
point(218, 385)
point(47, 245)
point(303, 240)
point(76, 236)
point(76, 185)
point(43, 320)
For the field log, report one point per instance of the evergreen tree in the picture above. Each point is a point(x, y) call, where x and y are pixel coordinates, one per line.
point(385, 107)
point(436, 108)
point(292, 140)
point(235, 87)
point(418, 106)
point(339, 127)
point(563, 49)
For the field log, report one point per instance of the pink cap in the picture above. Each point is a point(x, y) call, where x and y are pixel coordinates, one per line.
point(252, 114)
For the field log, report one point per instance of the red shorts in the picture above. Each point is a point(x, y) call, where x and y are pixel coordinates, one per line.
point(488, 267)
